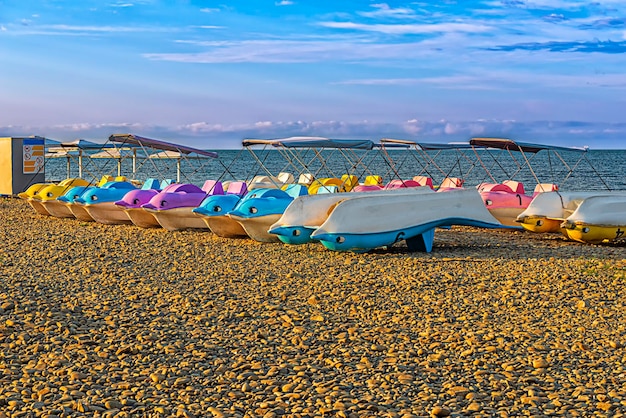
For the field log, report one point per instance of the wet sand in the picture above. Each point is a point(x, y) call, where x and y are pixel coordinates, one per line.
point(119, 321)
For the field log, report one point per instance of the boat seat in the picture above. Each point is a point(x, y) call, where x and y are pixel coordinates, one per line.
point(285, 178)
point(105, 179)
point(373, 180)
point(349, 181)
point(295, 190)
point(325, 184)
point(239, 188)
point(264, 182)
point(494, 187)
point(516, 186)
point(150, 184)
point(166, 182)
point(424, 181)
point(121, 178)
point(401, 184)
point(213, 187)
point(305, 178)
point(451, 183)
point(366, 188)
point(328, 189)
point(545, 187)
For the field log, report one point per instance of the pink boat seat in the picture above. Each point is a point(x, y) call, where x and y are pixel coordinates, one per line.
point(494, 187)
point(516, 186)
point(240, 188)
point(213, 187)
point(366, 188)
point(424, 181)
point(401, 184)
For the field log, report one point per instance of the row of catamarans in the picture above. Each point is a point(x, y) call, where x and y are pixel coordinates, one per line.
point(342, 214)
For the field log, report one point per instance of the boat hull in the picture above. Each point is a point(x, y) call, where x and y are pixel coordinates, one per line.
point(507, 215)
point(80, 212)
point(593, 234)
point(598, 219)
point(549, 210)
point(57, 208)
point(224, 226)
point(419, 237)
point(142, 218)
point(107, 213)
point(257, 227)
point(539, 224)
point(178, 219)
point(38, 206)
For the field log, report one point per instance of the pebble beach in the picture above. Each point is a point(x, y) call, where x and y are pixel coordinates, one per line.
point(118, 321)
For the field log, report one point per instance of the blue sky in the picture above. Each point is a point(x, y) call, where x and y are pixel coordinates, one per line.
point(208, 74)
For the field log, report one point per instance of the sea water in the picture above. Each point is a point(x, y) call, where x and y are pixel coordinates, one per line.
point(591, 170)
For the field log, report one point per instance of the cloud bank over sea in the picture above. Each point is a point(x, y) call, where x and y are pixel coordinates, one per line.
point(216, 136)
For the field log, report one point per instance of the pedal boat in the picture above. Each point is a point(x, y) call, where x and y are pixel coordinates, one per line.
point(99, 202)
point(38, 198)
point(173, 207)
point(133, 200)
point(213, 211)
point(598, 219)
point(507, 200)
point(374, 221)
point(307, 213)
point(547, 212)
point(261, 208)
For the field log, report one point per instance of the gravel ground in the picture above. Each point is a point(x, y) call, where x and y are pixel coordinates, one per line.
point(119, 321)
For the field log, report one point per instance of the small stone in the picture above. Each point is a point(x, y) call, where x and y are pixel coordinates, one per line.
point(157, 377)
point(439, 411)
point(474, 407)
point(113, 404)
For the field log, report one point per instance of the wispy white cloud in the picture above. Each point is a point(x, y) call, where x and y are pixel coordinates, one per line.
point(380, 81)
point(210, 10)
point(277, 51)
point(503, 80)
point(209, 27)
point(384, 10)
point(408, 29)
point(284, 3)
point(64, 29)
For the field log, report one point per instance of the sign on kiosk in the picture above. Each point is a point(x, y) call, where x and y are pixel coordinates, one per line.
point(33, 155)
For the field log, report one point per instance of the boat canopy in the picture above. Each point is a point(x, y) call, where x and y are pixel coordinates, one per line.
point(425, 146)
point(82, 144)
point(115, 153)
point(160, 145)
point(311, 142)
point(175, 155)
point(510, 145)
